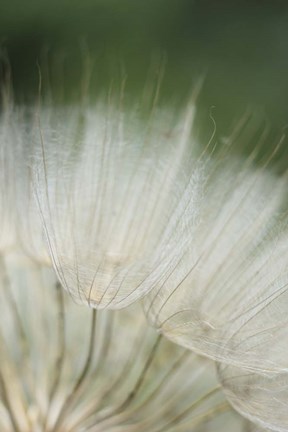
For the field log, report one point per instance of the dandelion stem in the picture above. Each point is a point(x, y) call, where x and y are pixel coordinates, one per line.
point(6, 401)
point(190, 408)
point(70, 398)
point(59, 361)
point(138, 384)
point(202, 418)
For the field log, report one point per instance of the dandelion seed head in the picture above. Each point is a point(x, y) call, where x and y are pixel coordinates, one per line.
point(125, 210)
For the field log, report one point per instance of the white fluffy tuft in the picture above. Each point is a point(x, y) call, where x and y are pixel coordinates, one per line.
point(229, 301)
point(117, 200)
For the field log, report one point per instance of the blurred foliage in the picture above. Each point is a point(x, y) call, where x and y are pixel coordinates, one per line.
point(241, 46)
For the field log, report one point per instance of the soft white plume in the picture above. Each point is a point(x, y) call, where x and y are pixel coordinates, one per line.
point(230, 299)
point(118, 199)
point(261, 399)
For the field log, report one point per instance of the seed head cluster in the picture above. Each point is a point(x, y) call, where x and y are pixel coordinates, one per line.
point(143, 279)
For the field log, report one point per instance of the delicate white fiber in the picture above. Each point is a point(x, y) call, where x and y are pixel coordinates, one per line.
point(229, 300)
point(8, 135)
point(118, 199)
point(19, 216)
point(261, 399)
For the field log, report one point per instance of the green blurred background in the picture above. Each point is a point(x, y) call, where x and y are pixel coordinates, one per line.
point(240, 46)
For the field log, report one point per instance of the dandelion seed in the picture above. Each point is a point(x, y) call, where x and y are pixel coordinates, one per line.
point(229, 301)
point(117, 199)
